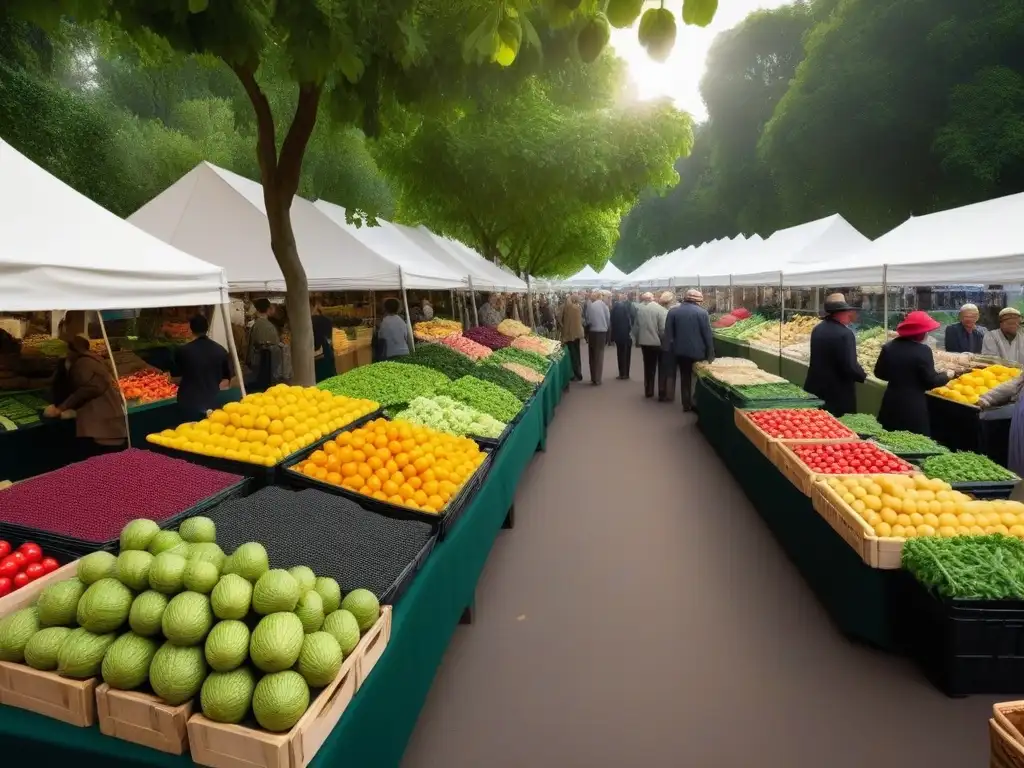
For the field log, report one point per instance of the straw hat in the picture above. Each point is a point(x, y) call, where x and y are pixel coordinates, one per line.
point(836, 302)
point(693, 295)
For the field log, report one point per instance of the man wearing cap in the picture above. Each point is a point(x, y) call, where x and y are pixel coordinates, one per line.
point(834, 371)
point(688, 337)
point(907, 364)
point(1006, 341)
point(965, 336)
point(648, 334)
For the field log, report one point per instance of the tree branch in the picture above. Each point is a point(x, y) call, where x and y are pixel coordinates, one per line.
point(266, 148)
point(299, 133)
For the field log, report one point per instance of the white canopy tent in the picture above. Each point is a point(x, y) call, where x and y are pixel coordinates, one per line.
point(610, 274)
point(220, 216)
point(486, 275)
point(686, 268)
point(979, 243)
point(63, 251)
point(715, 267)
point(815, 242)
point(584, 278)
point(420, 268)
point(641, 274)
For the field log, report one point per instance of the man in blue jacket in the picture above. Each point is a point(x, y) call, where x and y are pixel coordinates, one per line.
point(688, 338)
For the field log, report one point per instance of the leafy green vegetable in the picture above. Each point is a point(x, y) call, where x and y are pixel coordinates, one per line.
point(484, 396)
point(441, 358)
point(979, 567)
point(506, 379)
point(447, 415)
point(781, 391)
point(903, 442)
point(743, 328)
point(966, 467)
point(539, 363)
point(387, 383)
point(862, 423)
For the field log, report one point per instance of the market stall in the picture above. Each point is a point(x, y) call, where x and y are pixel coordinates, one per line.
point(468, 390)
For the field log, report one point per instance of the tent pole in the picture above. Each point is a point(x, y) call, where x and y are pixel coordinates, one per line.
point(232, 349)
point(113, 367)
point(529, 303)
point(885, 298)
point(472, 299)
point(730, 294)
point(451, 293)
point(782, 317)
point(408, 317)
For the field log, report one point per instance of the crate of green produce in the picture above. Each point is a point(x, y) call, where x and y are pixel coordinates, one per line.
point(909, 445)
point(484, 396)
point(757, 393)
point(864, 424)
point(972, 473)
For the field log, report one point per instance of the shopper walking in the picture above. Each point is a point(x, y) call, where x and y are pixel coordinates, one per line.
point(965, 335)
point(324, 365)
point(648, 332)
point(667, 361)
point(264, 355)
point(622, 334)
point(907, 364)
point(394, 333)
point(204, 371)
point(1006, 341)
point(834, 372)
point(489, 312)
point(572, 333)
point(598, 322)
point(688, 337)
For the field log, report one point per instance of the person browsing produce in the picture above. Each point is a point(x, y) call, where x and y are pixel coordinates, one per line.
point(648, 334)
point(263, 354)
point(689, 340)
point(204, 371)
point(965, 335)
point(1006, 341)
point(572, 332)
point(94, 397)
point(834, 371)
point(598, 321)
point(394, 332)
point(1009, 392)
point(323, 344)
point(907, 364)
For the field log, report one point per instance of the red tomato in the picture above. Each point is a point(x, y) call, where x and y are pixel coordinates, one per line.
point(32, 552)
point(20, 580)
point(34, 571)
point(19, 558)
point(9, 567)
point(6, 585)
point(5, 548)
point(49, 564)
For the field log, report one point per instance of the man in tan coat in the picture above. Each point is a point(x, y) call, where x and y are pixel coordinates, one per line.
point(571, 323)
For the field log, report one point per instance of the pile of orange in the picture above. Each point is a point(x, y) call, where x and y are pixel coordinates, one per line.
point(398, 462)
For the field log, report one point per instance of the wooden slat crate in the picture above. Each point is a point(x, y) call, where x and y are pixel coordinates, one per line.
point(48, 694)
point(764, 442)
point(877, 552)
point(1006, 729)
point(792, 467)
point(142, 718)
point(222, 745)
point(27, 595)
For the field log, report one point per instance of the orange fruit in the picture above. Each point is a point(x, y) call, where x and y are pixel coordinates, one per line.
point(420, 497)
point(398, 477)
point(394, 446)
point(396, 499)
point(334, 478)
point(343, 439)
point(319, 458)
point(309, 469)
point(409, 470)
point(373, 483)
point(428, 476)
point(415, 483)
point(383, 474)
point(401, 459)
point(358, 455)
point(435, 501)
point(321, 473)
point(406, 491)
point(365, 472)
point(430, 487)
point(349, 469)
point(374, 463)
point(380, 495)
point(392, 432)
point(383, 454)
point(380, 441)
point(391, 466)
point(411, 504)
point(390, 487)
point(330, 448)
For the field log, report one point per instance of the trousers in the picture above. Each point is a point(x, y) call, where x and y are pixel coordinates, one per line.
point(666, 376)
point(596, 342)
point(651, 354)
point(624, 356)
point(574, 358)
point(686, 381)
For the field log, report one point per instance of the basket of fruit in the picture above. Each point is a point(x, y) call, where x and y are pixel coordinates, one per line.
point(802, 463)
point(765, 427)
point(1006, 729)
point(972, 473)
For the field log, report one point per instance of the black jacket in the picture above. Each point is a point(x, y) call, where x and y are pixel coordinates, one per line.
point(958, 340)
point(621, 324)
point(909, 368)
point(688, 332)
point(834, 370)
point(203, 364)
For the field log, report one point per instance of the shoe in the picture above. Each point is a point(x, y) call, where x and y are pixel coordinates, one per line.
point(648, 394)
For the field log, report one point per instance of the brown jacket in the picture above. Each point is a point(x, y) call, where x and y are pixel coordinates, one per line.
point(572, 322)
point(95, 399)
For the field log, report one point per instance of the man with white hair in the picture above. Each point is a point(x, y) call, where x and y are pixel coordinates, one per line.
point(598, 322)
point(648, 334)
point(688, 337)
point(1006, 341)
point(966, 335)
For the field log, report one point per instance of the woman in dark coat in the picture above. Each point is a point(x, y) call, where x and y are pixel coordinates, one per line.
point(909, 368)
point(834, 372)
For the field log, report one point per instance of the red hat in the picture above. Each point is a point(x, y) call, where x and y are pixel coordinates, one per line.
point(916, 323)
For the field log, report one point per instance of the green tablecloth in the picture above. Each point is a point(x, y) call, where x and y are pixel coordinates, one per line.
point(377, 724)
point(51, 444)
point(858, 598)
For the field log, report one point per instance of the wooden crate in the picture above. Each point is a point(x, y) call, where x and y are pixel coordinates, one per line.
point(46, 693)
point(763, 441)
point(27, 595)
point(222, 745)
point(142, 718)
point(877, 552)
point(1006, 729)
point(792, 467)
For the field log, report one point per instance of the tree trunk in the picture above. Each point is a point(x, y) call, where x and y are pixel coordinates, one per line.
point(300, 319)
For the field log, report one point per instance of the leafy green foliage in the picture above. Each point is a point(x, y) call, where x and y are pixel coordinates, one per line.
point(968, 567)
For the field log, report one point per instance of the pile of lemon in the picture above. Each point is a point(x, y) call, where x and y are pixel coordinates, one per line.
point(398, 462)
point(971, 386)
point(905, 506)
point(264, 428)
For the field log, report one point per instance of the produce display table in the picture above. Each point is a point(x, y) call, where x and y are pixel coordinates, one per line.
point(961, 428)
point(857, 597)
point(377, 724)
point(51, 443)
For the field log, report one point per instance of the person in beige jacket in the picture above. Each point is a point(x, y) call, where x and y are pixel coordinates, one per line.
point(648, 333)
point(571, 322)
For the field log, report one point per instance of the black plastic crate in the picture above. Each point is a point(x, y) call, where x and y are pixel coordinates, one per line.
point(73, 548)
point(333, 535)
point(999, 489)
point(493, 443)
point(963, 646)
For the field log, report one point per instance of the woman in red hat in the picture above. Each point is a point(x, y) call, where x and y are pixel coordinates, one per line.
point(907, 364)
